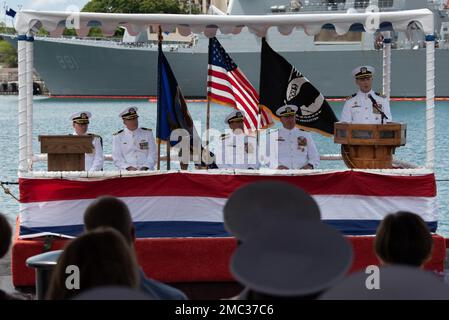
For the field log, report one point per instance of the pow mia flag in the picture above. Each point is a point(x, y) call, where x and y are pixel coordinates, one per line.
point(282, 84)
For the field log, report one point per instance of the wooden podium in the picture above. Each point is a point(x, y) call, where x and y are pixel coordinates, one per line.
point(66, 153)
point(369, 146)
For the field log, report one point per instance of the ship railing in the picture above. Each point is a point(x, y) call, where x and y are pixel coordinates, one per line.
point(43, 157)
point(168, 45)
point(324, 157)
point(359, 5)
point(108, 39)
point(263, 171)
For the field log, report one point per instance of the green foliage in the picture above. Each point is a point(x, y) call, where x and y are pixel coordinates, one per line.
point(69, 32)
point(136, 6)
point(8, 54)
point(132, 6)
point(43, 33)
point(167, 6)
point(5, 29)
point(95, 33)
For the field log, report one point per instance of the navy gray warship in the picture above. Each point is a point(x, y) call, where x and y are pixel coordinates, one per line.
point(101, 67)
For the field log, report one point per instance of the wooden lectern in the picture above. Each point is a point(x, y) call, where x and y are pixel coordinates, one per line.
point(369, 146)
point(66, 153)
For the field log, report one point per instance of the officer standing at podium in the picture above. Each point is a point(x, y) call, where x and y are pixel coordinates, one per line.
point(92, 161)
point(366, 106)
point(133, 148)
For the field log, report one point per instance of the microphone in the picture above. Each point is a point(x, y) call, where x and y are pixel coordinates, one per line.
point(376, 106)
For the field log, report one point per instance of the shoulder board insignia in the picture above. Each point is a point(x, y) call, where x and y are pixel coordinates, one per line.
point(98, 136)
point(146, 129)
point(351, 96)
point(224, 136)
point(381, 95)
point(273, 130)
point(118, 132)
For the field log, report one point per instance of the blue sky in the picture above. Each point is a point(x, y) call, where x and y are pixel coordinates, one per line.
point(44, 4)
point(50, 5)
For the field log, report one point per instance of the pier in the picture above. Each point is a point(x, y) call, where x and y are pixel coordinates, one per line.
point(9, 83)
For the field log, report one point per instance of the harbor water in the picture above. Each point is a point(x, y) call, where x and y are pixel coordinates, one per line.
point(51, 116)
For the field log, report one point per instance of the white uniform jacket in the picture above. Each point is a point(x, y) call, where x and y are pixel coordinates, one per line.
point(134, 149)
point(294, 149)
point(359, 109)
point(94, 161)
point(238, 151)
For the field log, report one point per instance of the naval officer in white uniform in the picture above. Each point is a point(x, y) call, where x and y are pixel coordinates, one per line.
point(238, 150)
point(92, 161)
point(133, 148)
point(366, 106)
point(295, 147)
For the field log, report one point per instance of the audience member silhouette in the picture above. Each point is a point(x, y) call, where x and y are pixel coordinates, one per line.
point(114, 213)
point(95, 259)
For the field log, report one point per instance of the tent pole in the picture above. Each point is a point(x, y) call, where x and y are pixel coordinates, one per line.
point(29, 93)
point(22, 68)
point(430, 101)
point(386, 80)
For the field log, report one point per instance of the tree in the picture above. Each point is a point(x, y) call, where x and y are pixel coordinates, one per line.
point(5, 29)
point(8, 54)
point(135, 6)
point(155, 6)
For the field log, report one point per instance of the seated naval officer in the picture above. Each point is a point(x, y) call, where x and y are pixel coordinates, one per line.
point(238, 150)
point(133, 148)
point(295, 147)
point(93, 161)
point(366, 106)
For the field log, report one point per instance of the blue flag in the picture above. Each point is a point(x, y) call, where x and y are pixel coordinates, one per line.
point(10, 12)
point(172, 112)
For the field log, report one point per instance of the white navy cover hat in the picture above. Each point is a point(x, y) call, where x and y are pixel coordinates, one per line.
point(292, 260)
point(257, 204)
point(395, 283)
point(129, 113)
point(363, 72)
point(235, 115)
point(287, 110)
point(81, 117)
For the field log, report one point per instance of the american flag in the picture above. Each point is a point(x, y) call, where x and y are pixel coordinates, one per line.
point(229, 86)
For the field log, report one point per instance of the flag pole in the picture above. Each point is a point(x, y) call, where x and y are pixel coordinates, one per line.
point(159, 80)
point(258, 128)
point(168, 154)
point(259, 115)
point(207, 112)
point(158, 154)
point(207, 129)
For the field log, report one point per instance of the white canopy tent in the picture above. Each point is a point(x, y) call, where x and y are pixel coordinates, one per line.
point(55, 22)
point(28, 22)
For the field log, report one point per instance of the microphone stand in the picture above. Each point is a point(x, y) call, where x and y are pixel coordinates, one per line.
point(376, 106)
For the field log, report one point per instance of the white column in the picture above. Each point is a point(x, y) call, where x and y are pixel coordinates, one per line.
point(386, 80)
point(21, 57)
point(29, 83)
point(430, 101)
